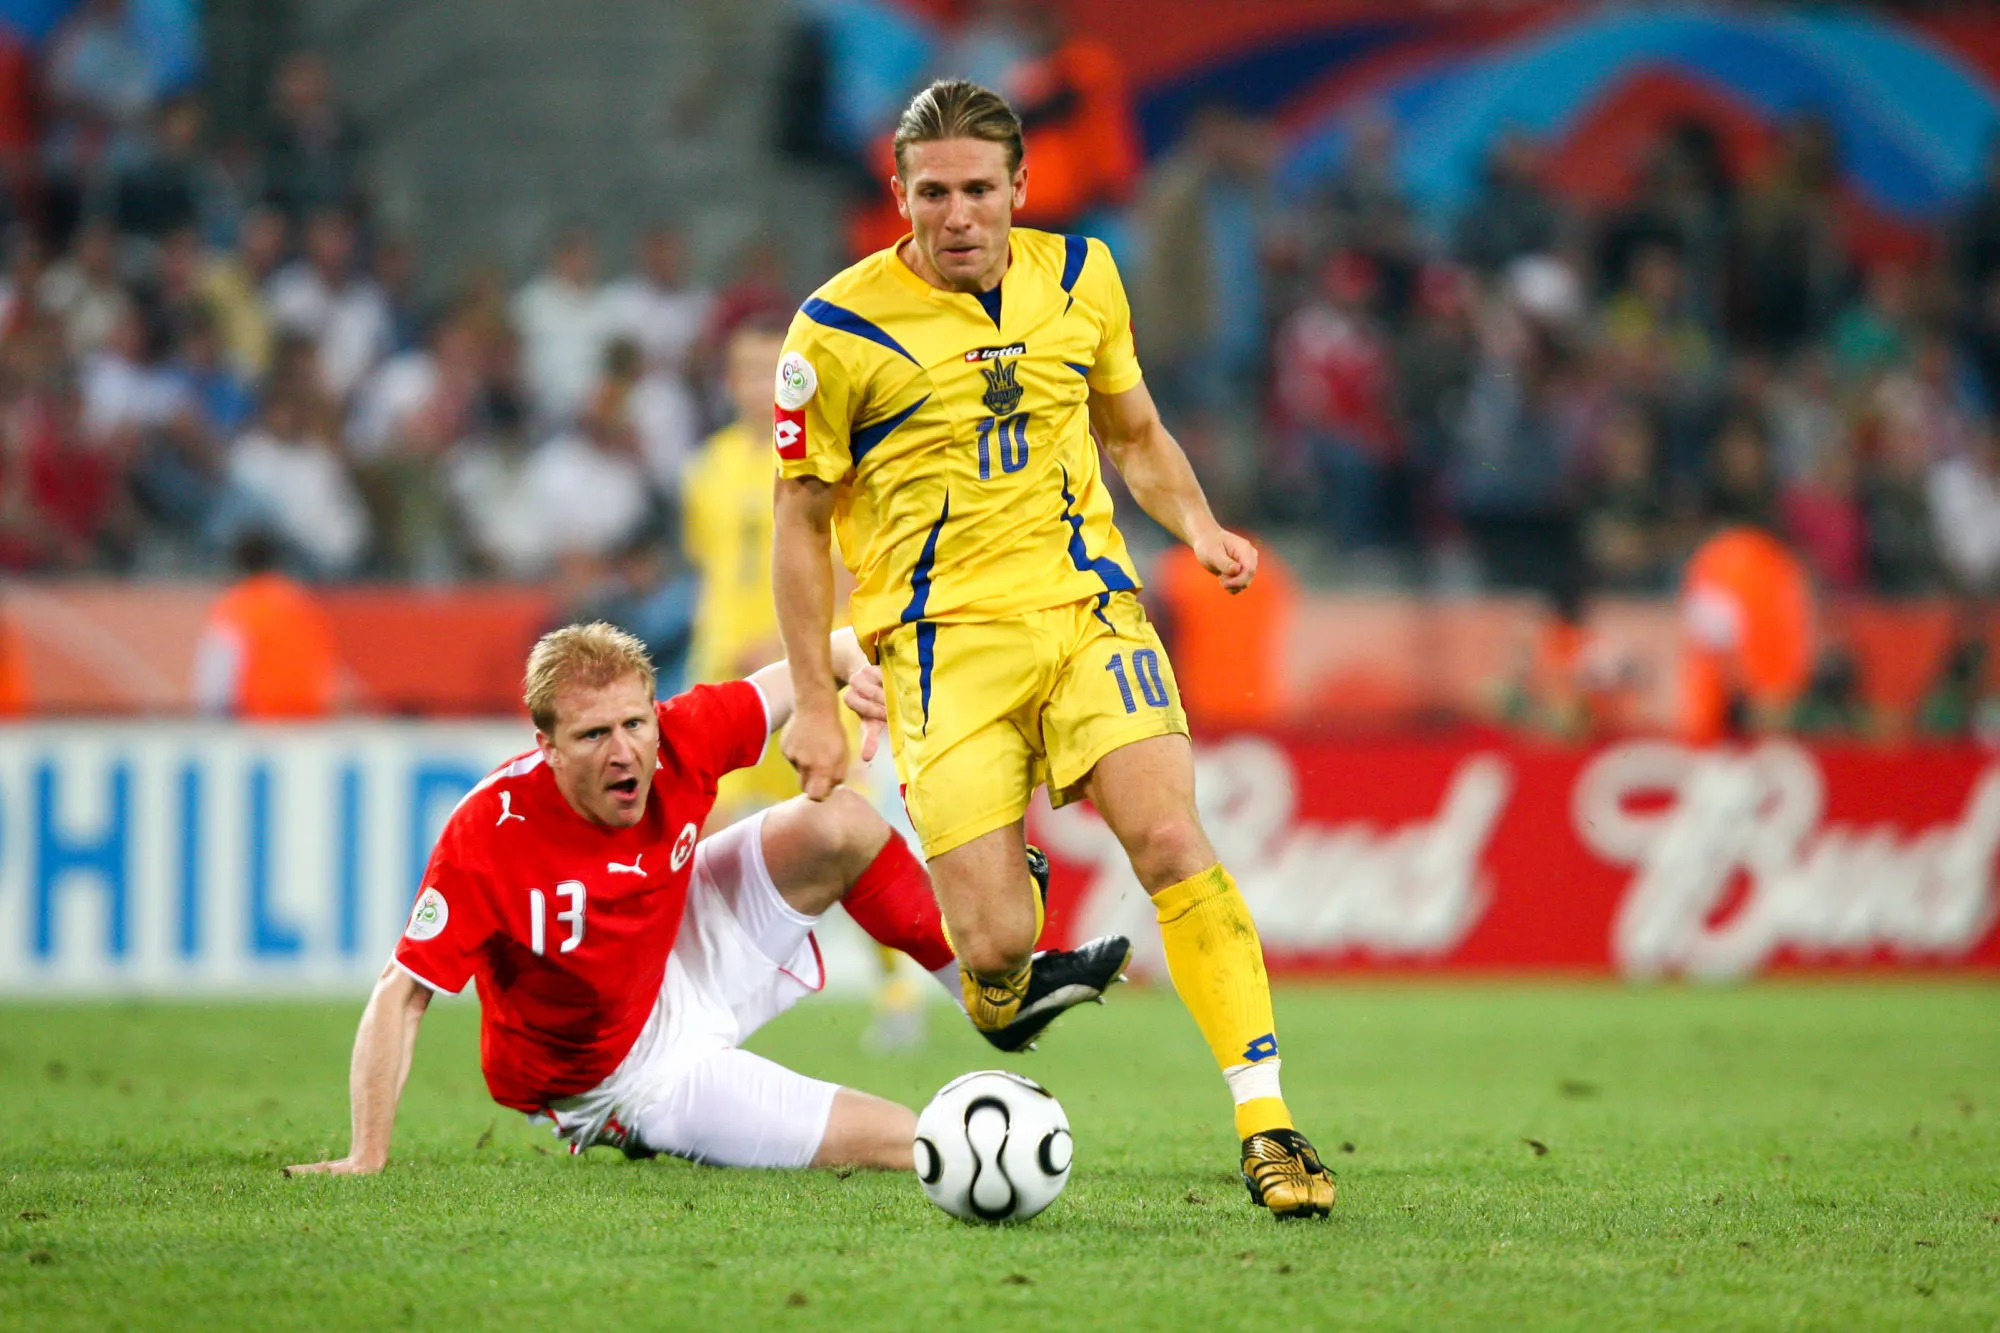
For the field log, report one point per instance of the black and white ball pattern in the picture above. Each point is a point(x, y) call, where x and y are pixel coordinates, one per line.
point(993, 1147)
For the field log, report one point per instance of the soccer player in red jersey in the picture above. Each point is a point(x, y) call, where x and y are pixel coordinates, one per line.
point(622, 960)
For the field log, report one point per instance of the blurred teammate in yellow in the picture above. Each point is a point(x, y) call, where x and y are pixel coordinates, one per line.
point(940, 405)
point(726, 532)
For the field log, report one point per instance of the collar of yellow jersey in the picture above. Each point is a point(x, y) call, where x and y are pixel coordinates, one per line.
point(911, 279)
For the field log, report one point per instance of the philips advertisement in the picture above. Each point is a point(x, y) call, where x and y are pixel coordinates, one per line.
point(168, 859)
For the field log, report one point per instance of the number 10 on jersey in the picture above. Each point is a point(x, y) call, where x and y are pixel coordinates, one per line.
point(1012, 435)
point(1146, 669)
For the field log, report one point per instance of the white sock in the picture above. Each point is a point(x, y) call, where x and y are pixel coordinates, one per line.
point(1249, 1082)
point(947, 977)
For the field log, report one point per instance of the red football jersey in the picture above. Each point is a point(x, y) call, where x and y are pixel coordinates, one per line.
point(566, 923)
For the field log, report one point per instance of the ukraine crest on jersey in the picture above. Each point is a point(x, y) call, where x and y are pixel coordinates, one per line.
point(957, 430)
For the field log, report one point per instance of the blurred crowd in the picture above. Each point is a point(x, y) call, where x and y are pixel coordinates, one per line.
point(197, 342)
point(203, 348)
point(1560, 394)
point(1538, 392)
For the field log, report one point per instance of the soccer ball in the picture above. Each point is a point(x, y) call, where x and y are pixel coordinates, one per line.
point(993, 1147)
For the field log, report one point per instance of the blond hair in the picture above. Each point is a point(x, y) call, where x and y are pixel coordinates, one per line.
point(959, 109)
point(588, 656)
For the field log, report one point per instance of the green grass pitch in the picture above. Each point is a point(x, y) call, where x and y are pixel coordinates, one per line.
point(1510, 1155)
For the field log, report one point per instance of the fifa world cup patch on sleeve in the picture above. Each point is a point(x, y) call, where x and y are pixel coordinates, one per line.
point(788, 430)
point(797, 381)
point(428, 917)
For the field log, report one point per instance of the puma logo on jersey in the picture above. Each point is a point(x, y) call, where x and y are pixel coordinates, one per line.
point(507, 810)
point(618, 868)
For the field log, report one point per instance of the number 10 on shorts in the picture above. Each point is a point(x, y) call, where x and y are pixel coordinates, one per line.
point(1146, 668)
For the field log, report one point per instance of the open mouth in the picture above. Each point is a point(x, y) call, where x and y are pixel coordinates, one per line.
point(624, 786)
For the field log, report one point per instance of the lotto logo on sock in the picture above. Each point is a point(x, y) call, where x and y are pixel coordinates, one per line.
point(1263, 1048)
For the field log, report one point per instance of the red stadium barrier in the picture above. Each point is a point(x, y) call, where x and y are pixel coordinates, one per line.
point(1646, 858)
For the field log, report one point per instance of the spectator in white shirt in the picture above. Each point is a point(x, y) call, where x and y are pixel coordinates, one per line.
point(488, 479)
point(1965, 514)
point(84, 289)
point(656, 307)
point(125, 395)
point(325, 297)
point(288, 469)
point(560, 316)
point(410, 412)
point(589, 486)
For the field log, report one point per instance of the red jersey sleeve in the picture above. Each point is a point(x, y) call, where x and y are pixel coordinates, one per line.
point(716, 729)
point(450, 922)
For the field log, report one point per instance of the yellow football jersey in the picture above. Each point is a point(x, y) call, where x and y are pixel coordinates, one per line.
point(726, 532)
point(957, 430)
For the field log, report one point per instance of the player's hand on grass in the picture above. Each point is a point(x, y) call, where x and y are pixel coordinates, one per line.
point(1232, 559)
point(346, 1166)
point(816, 745)
point(867, 700)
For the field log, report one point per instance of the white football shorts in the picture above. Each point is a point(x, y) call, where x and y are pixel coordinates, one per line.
point(743, 956)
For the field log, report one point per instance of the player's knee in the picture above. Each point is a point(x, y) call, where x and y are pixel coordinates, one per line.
point(836, 833)
point(995, 953)
point(1168, 849)
point(854, 831)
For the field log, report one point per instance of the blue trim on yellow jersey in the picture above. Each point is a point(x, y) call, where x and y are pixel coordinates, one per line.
point(839, 317)
point(1103, 600)
point(926, 659)
point(1081, 370)
point(920, 575)
point(867, 437)
point(991, 303)
point(1075, 250)
point(920, 593)
point(1115, 578)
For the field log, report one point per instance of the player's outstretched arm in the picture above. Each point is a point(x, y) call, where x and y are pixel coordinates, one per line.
point(1151, 461)
point(382, 1048)
point(802, 582)
point(863, 692)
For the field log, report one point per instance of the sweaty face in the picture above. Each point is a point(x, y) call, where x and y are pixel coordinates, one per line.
point(604, 749)
point(960, 200)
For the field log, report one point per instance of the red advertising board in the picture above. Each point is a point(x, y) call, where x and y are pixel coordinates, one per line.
point(1644, 858)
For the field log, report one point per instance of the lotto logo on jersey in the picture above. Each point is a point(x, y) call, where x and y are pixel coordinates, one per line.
point(788, 429)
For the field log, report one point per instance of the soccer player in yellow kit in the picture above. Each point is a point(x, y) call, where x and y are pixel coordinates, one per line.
point(726, 533)
point(935, 405)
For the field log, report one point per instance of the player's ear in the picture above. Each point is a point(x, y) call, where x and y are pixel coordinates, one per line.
point(1021, 185)
point(902, 196)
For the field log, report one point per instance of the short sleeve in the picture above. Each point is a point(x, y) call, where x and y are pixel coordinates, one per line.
point(716, 729)
point(1115, 367)
point(813, 407)
point(450, 921)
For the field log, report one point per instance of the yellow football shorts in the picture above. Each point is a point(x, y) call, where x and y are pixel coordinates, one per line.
point(981, 714)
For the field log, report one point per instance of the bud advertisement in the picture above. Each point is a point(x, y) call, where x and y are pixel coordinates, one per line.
point(170, 859)
point(1646, 859)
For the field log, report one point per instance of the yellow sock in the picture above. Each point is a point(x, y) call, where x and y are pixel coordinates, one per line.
point(1217, 964)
